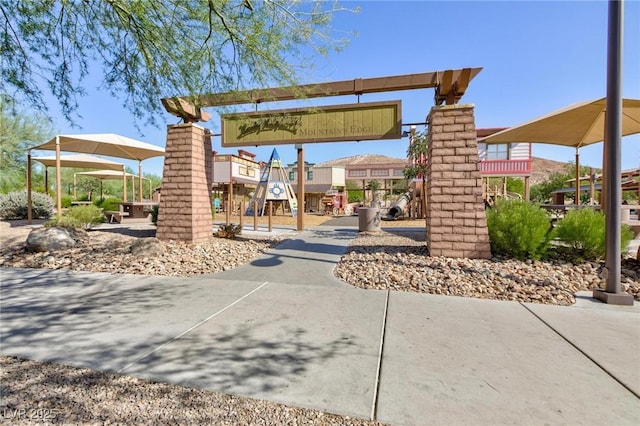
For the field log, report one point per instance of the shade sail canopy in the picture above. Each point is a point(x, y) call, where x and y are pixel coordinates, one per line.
point(81, 161)
point(108, 144)
point(106, 174)
point(576, 126)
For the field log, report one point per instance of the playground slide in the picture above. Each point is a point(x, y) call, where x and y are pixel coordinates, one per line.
point(398, 208)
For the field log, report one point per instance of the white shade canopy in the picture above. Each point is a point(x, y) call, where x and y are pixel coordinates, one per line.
point(108, 144)
point(81, 161)
point(107, 174)
point(576, 126)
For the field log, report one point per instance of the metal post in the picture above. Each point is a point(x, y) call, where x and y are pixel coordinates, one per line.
point(241, 212)
point(592, 185)
point(613, 153)
point(300, 195)
point(270, 214)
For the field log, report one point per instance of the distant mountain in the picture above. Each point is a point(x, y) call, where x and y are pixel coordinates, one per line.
point(541, 167)
point(363, 160)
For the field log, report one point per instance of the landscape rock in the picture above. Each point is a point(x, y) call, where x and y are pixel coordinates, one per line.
point(50, 239)
point(396, 260)
point(147, 247)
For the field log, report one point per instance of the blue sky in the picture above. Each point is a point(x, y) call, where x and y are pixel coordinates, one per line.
point(537, 57)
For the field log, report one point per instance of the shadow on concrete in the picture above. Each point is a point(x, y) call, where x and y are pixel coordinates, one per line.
point(251, 358)
point(107, 327)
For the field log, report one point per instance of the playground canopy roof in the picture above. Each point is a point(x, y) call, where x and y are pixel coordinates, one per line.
point(108, 144)
point(106, 174)
point(81, 161)
point(577, 125)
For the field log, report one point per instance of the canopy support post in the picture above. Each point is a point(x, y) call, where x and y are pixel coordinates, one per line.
point(577, 200)
point(58, 180)
point(124, 184)
point(29, 200)
point(140, 180)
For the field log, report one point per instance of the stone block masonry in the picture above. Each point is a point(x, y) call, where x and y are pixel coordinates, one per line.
point(185, 205)
point(456, 221)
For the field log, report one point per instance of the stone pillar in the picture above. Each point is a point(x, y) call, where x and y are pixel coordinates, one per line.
point(185, 205)
point(456, 221)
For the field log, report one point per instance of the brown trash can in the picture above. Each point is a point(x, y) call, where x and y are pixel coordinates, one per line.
point(369, 219)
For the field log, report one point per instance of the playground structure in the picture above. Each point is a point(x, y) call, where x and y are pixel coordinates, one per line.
point(397, 210)
point(274, 186)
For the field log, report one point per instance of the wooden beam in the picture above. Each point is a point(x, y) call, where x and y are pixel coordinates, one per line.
point(186, 109)
point(189, 107)
point(463, 81)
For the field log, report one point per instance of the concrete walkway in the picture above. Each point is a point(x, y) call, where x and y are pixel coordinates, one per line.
point(284, 329)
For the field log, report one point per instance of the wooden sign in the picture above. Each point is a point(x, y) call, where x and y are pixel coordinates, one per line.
point(336, 123)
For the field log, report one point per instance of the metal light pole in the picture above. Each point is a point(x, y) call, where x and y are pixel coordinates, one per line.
point(612, 161)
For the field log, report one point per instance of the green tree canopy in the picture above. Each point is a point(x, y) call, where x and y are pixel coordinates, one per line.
point(418, 150)
point(19, 131)
point(148, 50)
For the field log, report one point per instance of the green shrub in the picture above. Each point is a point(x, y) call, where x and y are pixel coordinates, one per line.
point(583, 230)
point(64, 222)
point(14, 205)
point(84, 217)
point(518, 229)
point(88, 215)
point(66, 201)
point(110, 203)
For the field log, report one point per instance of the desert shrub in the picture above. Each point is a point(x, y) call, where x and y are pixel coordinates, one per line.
point(518, 229)
point(64, 222)
point(14, 205)
point(87, 215)
point(110, 203)
point(583, 230)
point(228, 231)
point(154, 214)
point(66, 201)
point(84, 216)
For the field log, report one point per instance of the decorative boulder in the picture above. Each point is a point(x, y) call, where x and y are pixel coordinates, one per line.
point(50, 239)
point(147, 247)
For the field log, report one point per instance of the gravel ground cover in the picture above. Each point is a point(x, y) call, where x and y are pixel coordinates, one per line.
point(43, 393)
point(398, 260)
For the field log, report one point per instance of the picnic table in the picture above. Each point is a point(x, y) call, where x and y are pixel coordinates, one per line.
point(138, 209)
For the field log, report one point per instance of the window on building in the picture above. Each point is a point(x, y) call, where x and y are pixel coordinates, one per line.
point(292, 175)
point(309, 174)
point(357, 173)
point(380, 172)
point(498, 151)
